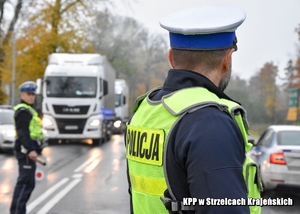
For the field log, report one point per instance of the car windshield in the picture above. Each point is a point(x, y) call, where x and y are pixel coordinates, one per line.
point(289, 138)
point(7, 117)
point(71, 87)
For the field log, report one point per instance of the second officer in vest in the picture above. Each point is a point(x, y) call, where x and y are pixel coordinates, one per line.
point(188, 139)
point(27, 146)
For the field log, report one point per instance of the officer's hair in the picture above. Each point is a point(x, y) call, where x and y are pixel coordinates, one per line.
point(191, 59)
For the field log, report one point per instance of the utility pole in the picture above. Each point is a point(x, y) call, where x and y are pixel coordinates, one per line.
point(1, 60)
point(13, 75)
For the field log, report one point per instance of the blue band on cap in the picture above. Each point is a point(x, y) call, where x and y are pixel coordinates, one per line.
point(203, 41)
point(28, 88)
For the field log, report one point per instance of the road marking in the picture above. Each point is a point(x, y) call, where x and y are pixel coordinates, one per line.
point(77, 176)
point(57, 197)
point(92, 166)
point(86, 163)
point(92, 162)
point(46, 194)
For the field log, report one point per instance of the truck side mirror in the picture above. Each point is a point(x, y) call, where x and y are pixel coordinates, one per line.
point(39, 84)
point(39, 96)
point(105, 87)
point(124, 100)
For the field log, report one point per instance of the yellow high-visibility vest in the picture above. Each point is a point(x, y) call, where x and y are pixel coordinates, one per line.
point(147, 140)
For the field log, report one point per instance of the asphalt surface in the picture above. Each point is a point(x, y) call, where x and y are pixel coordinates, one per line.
point(78, 178)
point(81, 179)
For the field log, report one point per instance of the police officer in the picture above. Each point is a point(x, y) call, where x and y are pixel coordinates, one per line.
point(27, 146)
point(188, 139)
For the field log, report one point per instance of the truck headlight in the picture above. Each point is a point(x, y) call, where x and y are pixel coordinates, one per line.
point(95, 122)
point(47, 122)
point(9, 133)
point(117, 124)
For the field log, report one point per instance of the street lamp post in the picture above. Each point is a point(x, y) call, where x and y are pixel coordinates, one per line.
point(13, 75)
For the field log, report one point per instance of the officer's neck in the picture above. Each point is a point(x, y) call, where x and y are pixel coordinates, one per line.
point(22, 101)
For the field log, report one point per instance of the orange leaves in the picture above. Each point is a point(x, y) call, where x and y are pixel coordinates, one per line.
point(268, 76)
point(49, 31)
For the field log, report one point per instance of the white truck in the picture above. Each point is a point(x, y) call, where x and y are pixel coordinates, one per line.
point(121, 106)
point(78, 98)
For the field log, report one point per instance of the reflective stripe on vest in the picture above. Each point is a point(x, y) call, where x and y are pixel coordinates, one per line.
point(149, 179)
point(35, 125)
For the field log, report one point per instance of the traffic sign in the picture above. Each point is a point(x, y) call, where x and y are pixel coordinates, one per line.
point(292, 114)
point(39, 174)
point(293, 97)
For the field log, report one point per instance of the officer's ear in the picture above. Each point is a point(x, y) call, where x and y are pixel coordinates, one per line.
point(227, 60)
point(170, 57)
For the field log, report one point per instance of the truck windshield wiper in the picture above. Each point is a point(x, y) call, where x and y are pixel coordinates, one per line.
point(86, 95)
point(57, 95)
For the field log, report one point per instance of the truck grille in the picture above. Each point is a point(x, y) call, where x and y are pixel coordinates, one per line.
point(70, 126)
point(64, 109)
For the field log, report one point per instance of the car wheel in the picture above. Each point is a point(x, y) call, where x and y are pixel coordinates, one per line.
point(267, 193)
point(97, 141)
point(108, 137)
point(52, 142)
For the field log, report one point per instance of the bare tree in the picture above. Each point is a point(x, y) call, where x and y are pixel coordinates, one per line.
point(5, 36)
point(13, 21)
point(138, 56)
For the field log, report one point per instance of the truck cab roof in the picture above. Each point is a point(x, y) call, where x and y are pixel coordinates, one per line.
point(75, 59)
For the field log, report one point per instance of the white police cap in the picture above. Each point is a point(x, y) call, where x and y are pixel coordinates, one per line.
point(28, 86)
point(208, 27)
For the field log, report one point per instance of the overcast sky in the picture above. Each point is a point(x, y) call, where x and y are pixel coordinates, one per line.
point(268, 33)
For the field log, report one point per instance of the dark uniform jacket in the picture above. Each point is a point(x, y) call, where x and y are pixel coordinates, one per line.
point(206, 152)
point(22, 120)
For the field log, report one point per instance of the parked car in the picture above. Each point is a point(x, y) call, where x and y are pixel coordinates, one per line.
point(277, 152)
point(7, 128)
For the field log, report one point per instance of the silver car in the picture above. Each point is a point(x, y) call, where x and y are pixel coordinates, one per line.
point(7, 128)
point(277, 152)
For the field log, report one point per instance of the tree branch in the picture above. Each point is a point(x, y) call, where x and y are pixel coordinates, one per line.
point(13, 22)
point(1, 11)
point(70, 5)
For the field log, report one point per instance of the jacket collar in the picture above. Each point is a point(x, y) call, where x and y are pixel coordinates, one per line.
point(22, 101)
point(179, 79)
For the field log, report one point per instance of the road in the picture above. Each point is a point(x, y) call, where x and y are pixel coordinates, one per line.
point(81, 179)
point(78, 178)
point(282, 209)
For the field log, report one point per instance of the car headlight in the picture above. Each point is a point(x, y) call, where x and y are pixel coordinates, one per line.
point(95, 122)
point(9, 133)
point(47, 122)
point(117, 124)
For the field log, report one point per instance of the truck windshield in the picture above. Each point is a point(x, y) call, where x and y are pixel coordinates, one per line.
point(71, 87)
point(118, 101)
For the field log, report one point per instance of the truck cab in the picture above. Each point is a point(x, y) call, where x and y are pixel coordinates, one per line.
point(121, 106)
point(75, 90)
